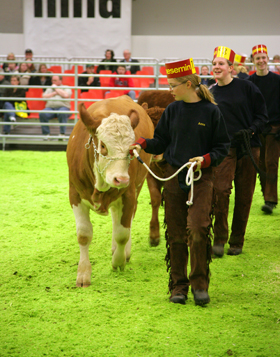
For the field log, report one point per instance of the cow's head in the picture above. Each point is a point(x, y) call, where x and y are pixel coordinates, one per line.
point(112, 136)
point(155, 114)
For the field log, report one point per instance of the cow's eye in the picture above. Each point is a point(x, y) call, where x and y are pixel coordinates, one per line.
point(103, 148)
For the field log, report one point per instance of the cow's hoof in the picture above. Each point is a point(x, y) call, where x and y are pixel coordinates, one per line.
point(154, 242)
point(120, 267)
point(83, 274)
point(82, 285)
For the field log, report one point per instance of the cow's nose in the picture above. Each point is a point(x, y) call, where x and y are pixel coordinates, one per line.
point(121, 181)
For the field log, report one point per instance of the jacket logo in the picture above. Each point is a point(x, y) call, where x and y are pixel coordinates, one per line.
point(201, 124)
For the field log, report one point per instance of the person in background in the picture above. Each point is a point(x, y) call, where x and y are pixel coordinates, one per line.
point(23, 74)
point(191, 129)
point(30, 65)
point(10, 67)
point(128, 60)
point(123, 81)
point(10, 57)
point(244, 110)
point(29, 57)
point(269, 85)
point(109, 57)
point(56, 105)
point(10, 104)
point(276, 68)
point(239, 69)
point(3, 82)
point(41, 80)
point(88, 81)
point(204, 71)
point(28, 54)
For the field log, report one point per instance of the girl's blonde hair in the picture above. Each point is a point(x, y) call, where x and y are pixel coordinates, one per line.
point(201, 90)
point(240, 68)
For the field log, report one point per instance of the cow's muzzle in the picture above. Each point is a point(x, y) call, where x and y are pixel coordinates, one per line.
point(121, 181)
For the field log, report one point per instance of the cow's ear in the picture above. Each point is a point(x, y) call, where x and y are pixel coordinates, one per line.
point(134, 118)
point(87, 119)
point(145, 106)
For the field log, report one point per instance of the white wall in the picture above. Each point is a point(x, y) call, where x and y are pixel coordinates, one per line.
point(162, 47)
point(184, 28)
point(12, 42)
point(205, 18)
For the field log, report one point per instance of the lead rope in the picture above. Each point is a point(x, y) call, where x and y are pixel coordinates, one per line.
point(189, 177)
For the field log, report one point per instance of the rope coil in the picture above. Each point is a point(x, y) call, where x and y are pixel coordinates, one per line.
point(189, 177)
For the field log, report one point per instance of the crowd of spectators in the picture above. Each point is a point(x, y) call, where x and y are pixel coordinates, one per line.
point(22, 73)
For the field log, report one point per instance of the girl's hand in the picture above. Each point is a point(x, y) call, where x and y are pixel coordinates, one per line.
point(199, 160)
point(134, 146)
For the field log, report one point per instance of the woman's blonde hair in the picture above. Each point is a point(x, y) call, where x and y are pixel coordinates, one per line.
point(11, 54)
point(201, 90)
point(240, 68)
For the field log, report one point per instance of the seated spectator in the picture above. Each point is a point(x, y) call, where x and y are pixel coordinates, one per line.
point(10, 57)
point(30, 66)
point(3, 82)
point(127, 59)
point(41, 80)
point(10, 67)
point(276, 69)
point(29, 57)
point(29, 54)
point(23, 74)
point(109, 57)
point(54, 94)
point(122, 81)
point(206, 81)
point(89, 81)
point(11, 104)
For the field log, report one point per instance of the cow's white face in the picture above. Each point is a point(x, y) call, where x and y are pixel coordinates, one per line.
point(114, 135)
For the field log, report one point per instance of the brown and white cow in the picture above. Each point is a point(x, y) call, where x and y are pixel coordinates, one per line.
point(102, 176)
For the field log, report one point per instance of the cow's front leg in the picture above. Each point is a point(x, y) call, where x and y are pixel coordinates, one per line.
point(121, 239)
point(84, 236)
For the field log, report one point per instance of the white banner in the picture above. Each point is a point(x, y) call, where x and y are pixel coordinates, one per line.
point(109, 27)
